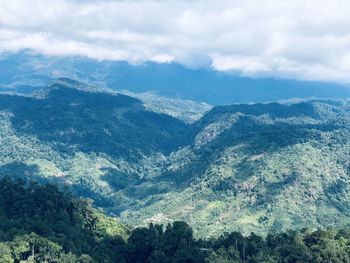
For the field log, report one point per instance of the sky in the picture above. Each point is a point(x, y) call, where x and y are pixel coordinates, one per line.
point(295, 39)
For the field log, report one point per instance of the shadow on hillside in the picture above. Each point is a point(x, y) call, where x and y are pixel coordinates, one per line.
point(19, 170)
point(119, 125)
point(130, 189)
point(46, 211)
point(30, 173)
point(255, 137)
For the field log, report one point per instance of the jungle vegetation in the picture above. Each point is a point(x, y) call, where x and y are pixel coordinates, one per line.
point(40, 223)
point(245, 167)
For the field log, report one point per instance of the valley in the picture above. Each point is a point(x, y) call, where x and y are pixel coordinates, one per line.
point(245, 167)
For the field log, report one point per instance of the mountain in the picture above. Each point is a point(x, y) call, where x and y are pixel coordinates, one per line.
point(258, 167)
point(185, 110)
point(27, 71)
point(66, 133)
point(246, 167)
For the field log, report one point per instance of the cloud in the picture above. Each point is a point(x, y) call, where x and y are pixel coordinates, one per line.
point(288, 39)
point(247, 65)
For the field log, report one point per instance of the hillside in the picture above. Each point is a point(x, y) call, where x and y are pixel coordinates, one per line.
point(259, 167)
point(40, 223)
point(73, 136)
point(255, 167)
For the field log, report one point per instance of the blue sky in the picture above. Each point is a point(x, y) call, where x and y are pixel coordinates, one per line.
point(307, 40)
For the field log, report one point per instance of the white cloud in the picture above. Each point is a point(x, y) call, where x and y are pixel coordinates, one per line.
point(247, 65)
point(280, 38)
point(162, 58)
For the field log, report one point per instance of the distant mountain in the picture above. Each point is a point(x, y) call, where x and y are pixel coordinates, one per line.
point(186, 110)
point(255, 167)
point(169, 80)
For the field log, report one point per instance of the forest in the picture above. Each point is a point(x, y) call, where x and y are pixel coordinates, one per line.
point(42, 223)
point(246, 168)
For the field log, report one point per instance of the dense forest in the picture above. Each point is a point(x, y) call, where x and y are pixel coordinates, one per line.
point(245, 167)
point(41, 223)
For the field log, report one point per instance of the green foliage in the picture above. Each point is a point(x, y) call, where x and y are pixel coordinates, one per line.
point(258, 168)
point(292, 246)
point(244, 168)
point(40, 223)
point(6, 253)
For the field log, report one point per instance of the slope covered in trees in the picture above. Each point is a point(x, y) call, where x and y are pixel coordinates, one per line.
point(258, 167)
point(40, 223)
point(243, 168)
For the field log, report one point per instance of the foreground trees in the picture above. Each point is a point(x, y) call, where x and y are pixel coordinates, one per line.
point(40, 223)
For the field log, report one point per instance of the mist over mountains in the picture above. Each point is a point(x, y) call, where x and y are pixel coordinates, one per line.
point(26, 71)
point(174, 131)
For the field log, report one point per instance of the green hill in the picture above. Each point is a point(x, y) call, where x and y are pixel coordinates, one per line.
point(259, 167)
point(255, 167)
point(40, 223)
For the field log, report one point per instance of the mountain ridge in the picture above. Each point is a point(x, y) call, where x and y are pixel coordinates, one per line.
point(170, 80)
point(268, 166)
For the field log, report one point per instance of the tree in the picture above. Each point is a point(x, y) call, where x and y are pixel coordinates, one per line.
point(6, 255)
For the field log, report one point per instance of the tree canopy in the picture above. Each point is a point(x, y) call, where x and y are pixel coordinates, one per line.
point(41, 223)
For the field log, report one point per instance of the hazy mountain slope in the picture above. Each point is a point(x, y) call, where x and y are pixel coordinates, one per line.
point(241, 167)
point(169, 80)
point(186, 110)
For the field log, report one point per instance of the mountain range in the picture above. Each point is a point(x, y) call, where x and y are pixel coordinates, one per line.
point(25, 71)
point(247, 167)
